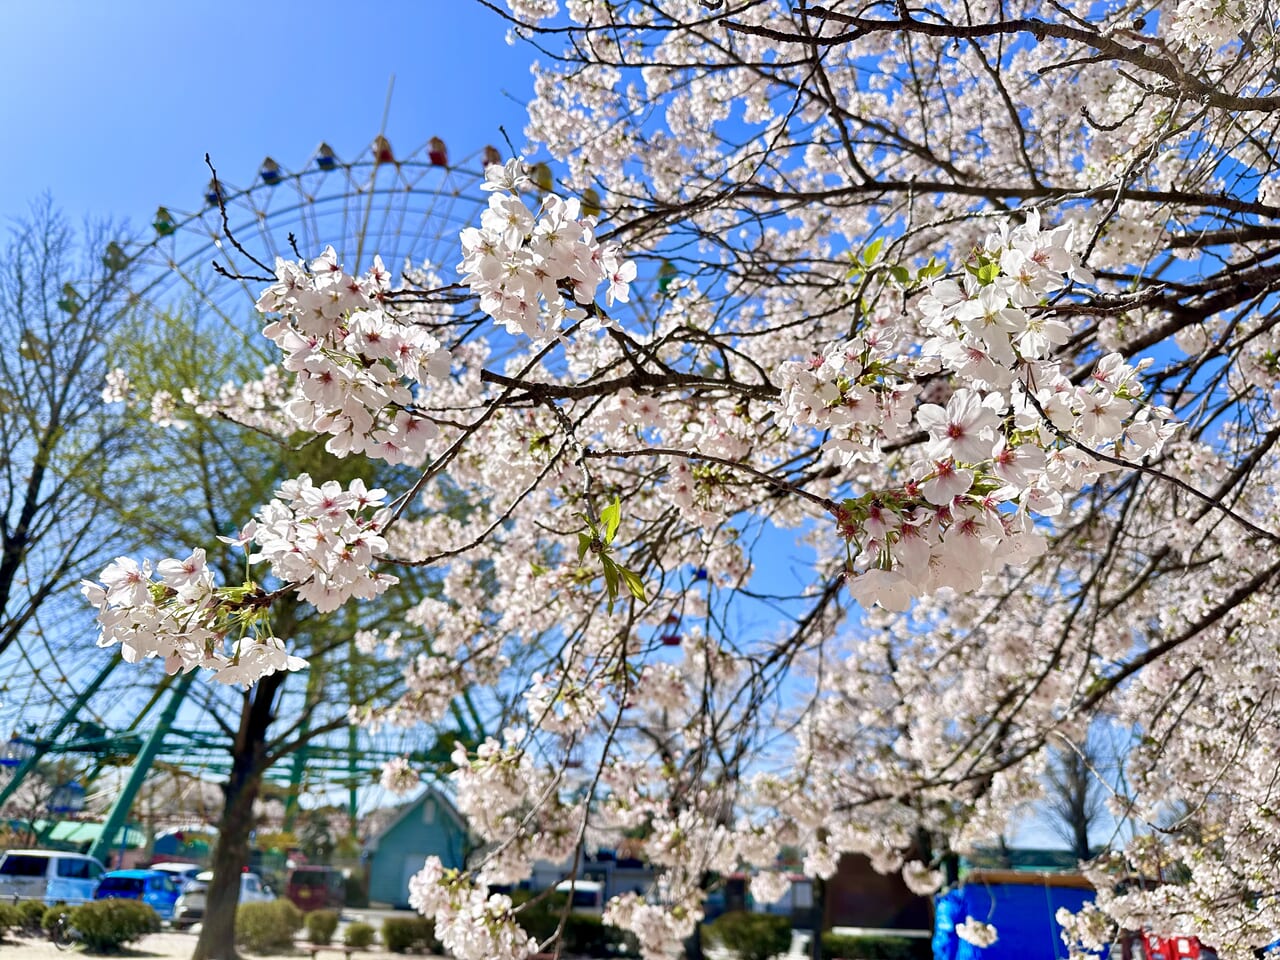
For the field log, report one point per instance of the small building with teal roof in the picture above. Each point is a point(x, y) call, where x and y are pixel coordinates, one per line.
point(429, 826)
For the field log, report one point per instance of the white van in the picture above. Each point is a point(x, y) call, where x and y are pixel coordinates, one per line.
point(587, 895)
point(50, 875)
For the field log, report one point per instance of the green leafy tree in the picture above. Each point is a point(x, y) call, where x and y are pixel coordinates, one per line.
point(195, 480)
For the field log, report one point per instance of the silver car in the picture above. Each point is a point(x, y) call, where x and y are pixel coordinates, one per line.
point(189, 910)
point(180, 873)
point(48, 875)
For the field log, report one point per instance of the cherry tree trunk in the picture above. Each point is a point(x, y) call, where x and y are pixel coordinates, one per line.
point(231, 853)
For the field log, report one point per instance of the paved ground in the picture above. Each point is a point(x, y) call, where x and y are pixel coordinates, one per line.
point(172, 945)
point(161, 946)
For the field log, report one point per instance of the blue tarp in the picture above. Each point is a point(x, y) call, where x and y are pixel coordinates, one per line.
point(1023, 916)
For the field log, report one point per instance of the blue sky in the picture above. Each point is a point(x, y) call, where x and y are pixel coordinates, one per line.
point(111, 106)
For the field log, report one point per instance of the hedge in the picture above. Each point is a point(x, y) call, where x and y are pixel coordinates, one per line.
point(320, 926)
point(31, 915)
point(264, 927)
point(402, 934)
point(359, 935)
point(838, 947)
point(752, 936)
point(107, 924)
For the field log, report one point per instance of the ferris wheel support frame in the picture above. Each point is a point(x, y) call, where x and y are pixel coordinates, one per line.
point(376, 186)
point(42, 746)
point(119, 812)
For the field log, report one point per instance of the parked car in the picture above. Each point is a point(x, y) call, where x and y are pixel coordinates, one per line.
point(316, 888)
point(189, 908)
point(48, 875)
point(1149, 946)
point(153, 887)
point(180, 872)
point(588, 895)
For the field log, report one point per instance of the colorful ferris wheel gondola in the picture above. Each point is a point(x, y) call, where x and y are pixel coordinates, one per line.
point(326, 159)
point(269, 172)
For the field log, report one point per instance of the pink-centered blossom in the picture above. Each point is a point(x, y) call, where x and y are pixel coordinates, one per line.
point(964, 430)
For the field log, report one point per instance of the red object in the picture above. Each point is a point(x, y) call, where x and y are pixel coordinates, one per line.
point(382, 150)
point(492, 156)
point(671, 639)
point(316, 888)
point(437, 153)
point(1175, 948)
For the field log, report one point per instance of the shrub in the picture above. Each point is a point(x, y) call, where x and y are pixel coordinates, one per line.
point(320, 926)
point(837, 947)
point(108, 924)
point(397, 934)
point(401, 934)
point(51, 914)
point(263, 927)
point(541, 919)
point(752, 936)
point(25, 915)
point(31, 915)
point(357, 893)
point(10, 918)
point(359, 935)
point(587, 935)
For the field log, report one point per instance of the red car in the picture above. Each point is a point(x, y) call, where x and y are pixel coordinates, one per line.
point(316, 888)
point(1151, 947)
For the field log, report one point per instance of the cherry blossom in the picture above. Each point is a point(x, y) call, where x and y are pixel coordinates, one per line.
point(928, 403)
point(977, 932)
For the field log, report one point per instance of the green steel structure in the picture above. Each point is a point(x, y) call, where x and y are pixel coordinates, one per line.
point(349, 764)
point(408, 207)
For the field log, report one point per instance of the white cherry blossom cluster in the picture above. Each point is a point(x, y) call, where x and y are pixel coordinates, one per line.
point(471, 923)
point(977, 932)
point(769, 886)
point(510, 803)
point(500, 777)
point(259, 404)
point(177, 612)
point(1212, 23)
point(522, 264)
point(117, 387)
point(921, 879)
point(359, 368)
point(399, 777)
point(660, 929)
point(324, 539)
point(320, 541)
point(1090, 928)
point(992, 459)
point(563, 704)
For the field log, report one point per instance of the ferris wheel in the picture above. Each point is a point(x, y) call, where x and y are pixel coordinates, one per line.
point(407, 208)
